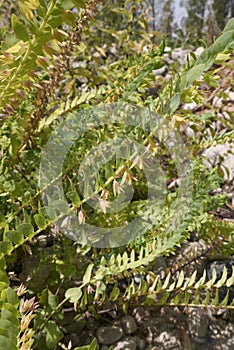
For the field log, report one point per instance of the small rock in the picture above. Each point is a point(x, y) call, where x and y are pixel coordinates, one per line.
point(126, 344)
point(219, 266)
point(141, 314)
point(190, 106)
point(109, 335)
point(159, 267)
point(197, 324)
point(221, 154)
point(159, 71)
point(231, 95)
point(68, 318)
point(199, 340)
point(154, 327)
point(217, 101)
point(199, 50)
point(129, 324)
point(190, 132)
point(117, 323)
point(140, 343)
point(226, 116)
point(169, 340)
point(178, 54)
point(113, 314)
point(73, 338)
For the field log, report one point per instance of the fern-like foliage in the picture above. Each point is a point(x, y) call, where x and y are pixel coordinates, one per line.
point(38, 42)
point(37, 39)
point(34, 59)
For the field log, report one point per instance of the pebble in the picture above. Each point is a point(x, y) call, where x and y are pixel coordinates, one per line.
point(214, 155)
point(140, 343)
point(126, 344)
point(141, 314)
point(73, 338)
point(197, 324)
point(159, 71)
point(129, 325)
point(109, 335)
point(168, 340)
point(199, 340)
point(159, 267)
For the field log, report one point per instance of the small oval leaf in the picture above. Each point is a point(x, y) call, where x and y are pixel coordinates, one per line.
point(15, 236)
point(19, 29)
point(73, 294)
point(26, 229)
point(40, 221)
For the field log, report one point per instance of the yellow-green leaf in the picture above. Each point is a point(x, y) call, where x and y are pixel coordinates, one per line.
point(230, 281)
point(15, 236)
point(19, 29)
point(33, 4)
point(40, 221)
point(74, 197)
point(87, 275)
point(165, 284)
point(223, 278)
point(180, 279)
point(6, 247)
point(25, 11)
point(69, 18)
point(73, 294)
point(79, 3)
point(26, 229)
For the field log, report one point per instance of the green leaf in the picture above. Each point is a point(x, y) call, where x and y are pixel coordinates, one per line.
point(11, 328)
point(3, 277)
point(3, 287)
point(19, 28)
point(3, 221)
point(27, 217)
point(79, 3)
point(6, 247)
point(115, 292)
point(73, 294)
point(164, 298)
point(69, 18)
point(10, 296)
point(74, 197)
point(34, 4)
point(41, 11)
point(48, 300)
point(6, 343)
point(87, 275)
point(225, 300)
point(25, 11)
point(15, 236)
point(207, 298)
point(194, 73)
point(40, 220)
point(10, 313)
point(53, 334)
point(26, 229)
point(174, 103)
point(92, 346)
point(229, 25)
point(51, 212)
